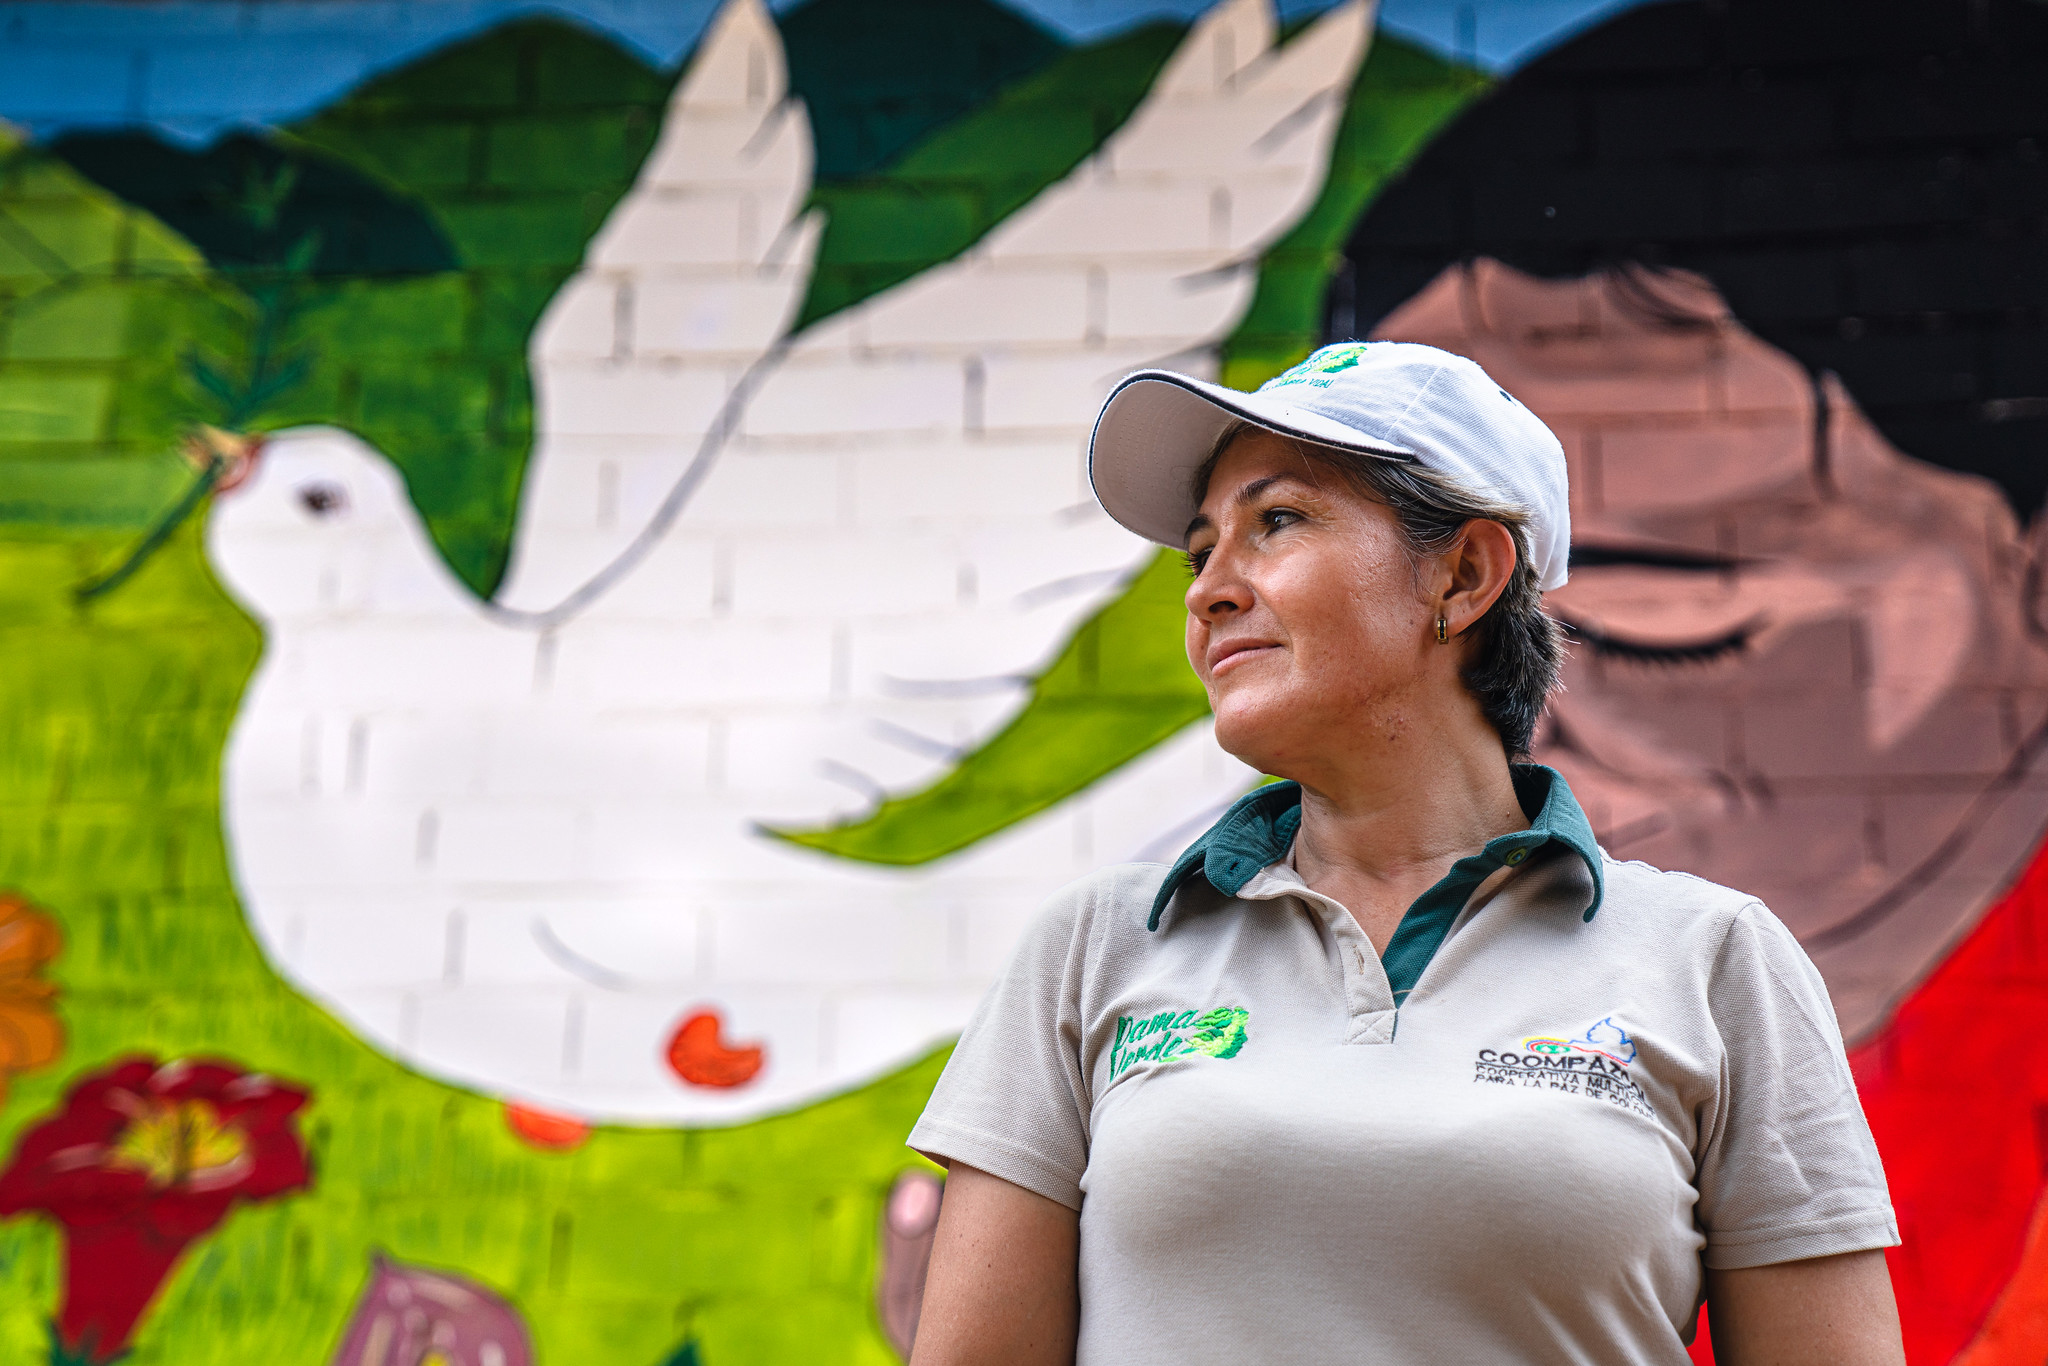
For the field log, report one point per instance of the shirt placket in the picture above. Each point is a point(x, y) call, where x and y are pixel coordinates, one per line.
point(1368, 995)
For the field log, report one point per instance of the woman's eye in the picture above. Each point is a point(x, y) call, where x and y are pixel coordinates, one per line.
point(1196, 559)
point(1275, 518)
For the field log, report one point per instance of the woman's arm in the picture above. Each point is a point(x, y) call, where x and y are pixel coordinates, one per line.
point(1004, 1287)
point(1825, 1311)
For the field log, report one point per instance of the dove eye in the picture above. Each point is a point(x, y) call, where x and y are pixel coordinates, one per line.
point(323, 500)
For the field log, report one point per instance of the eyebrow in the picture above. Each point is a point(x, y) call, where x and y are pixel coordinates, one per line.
point(1245, 496)
point(1652, 557)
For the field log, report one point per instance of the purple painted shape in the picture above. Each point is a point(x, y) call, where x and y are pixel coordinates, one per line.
point(407, 1312)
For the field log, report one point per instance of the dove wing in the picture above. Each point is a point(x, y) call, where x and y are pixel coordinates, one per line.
point(693, 277)
point(959, 403)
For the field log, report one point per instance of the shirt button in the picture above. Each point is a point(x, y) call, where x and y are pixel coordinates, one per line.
point(1515, 856)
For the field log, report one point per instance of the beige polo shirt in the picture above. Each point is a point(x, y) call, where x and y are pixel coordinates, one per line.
point(1571, 1083)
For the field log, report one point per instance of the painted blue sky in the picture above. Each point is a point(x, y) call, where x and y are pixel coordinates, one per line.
point(194, 68)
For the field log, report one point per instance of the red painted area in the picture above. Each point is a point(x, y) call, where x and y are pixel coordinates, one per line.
point(2017, 1330)
point(701, 1058)
point(544, 1129)
point(1956, 1088)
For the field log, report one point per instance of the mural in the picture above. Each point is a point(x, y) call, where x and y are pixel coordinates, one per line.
point(556, 629)
point(409, 1315)
point(756, 579)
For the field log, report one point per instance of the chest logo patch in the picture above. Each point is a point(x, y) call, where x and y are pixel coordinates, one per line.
point(1216, 1033)
point(1592, 1063)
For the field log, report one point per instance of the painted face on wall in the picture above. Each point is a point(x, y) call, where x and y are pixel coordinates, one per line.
point(1806, 664)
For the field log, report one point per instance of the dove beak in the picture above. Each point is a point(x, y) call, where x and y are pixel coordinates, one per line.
point(237, 465)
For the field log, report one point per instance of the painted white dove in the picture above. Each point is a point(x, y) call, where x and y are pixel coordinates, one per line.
point(756, 580)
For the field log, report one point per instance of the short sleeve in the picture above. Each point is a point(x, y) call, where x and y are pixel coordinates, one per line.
point(1788, 1169)
point(1013, 1099)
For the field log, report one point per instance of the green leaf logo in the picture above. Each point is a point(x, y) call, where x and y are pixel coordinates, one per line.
point(1220, 1032)
point(1318, 368)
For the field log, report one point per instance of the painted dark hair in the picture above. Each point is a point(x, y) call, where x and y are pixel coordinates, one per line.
point(1865, 184)
point(1517, 648)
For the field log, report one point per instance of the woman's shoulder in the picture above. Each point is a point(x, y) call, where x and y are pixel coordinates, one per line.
point(1634, 882)
point(1093, 923)
point(1116, 899)
point(1108, 904)
point(1642, 897)
point(1720, 945)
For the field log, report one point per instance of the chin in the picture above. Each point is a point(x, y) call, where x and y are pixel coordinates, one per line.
point(1251, 730)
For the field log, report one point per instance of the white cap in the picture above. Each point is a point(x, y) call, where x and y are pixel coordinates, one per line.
point(1399, 401)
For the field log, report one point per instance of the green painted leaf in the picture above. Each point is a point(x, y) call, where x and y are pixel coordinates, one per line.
point(214, 381)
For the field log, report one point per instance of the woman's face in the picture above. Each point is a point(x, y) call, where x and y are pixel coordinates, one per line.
point(1306, 617)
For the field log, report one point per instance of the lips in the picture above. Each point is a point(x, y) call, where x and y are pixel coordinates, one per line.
point(1230, 653)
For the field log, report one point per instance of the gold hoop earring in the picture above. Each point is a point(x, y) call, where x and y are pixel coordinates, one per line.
point(1443, 631)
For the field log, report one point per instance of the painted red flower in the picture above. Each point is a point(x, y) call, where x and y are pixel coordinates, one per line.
point(144, 1158)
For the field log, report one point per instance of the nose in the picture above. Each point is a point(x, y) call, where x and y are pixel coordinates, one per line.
point(1218, 590)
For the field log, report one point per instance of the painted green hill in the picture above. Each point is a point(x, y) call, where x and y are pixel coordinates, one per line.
point(945, 193)
point(879, 76)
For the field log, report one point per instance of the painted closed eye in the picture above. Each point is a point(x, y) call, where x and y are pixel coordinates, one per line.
point(1661, 652)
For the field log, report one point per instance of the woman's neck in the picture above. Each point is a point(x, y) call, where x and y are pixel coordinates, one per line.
point(1379, 828)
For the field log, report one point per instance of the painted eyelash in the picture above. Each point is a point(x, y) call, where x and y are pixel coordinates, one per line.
point(1642, 652)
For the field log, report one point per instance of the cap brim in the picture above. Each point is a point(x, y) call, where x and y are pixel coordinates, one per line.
point(1158, 427)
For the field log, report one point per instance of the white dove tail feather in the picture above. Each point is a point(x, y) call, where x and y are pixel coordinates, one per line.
point(692, 279)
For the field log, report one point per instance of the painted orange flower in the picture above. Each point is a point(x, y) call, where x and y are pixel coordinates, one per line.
point(30, 1035)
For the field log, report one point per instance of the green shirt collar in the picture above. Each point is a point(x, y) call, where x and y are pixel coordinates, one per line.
point(1259, 828)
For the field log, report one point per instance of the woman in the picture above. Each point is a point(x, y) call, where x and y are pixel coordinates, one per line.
point(1393, 1064)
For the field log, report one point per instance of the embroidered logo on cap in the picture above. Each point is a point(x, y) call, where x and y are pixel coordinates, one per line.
point(1216, 1033)
point(1320, 368)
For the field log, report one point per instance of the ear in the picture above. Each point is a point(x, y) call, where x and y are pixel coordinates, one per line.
point(1476, 573)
